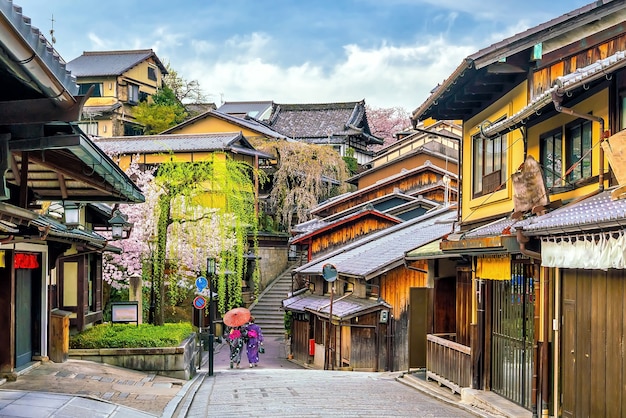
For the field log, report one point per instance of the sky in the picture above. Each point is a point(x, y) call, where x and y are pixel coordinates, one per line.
point(391, 53)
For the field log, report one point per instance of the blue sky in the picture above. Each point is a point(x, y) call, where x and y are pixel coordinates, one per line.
point(388, 52)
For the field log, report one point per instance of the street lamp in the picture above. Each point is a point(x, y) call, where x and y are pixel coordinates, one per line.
point(71, 214)
point(120, 227)
point(210, 271)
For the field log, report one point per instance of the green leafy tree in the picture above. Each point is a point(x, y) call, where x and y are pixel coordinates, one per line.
point(160, 112)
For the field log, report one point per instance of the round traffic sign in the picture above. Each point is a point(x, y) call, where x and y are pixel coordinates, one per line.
point(199, 302)
point(329, 272)
point(201, 283)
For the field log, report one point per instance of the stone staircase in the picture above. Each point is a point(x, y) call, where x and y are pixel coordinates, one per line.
point(267, 310)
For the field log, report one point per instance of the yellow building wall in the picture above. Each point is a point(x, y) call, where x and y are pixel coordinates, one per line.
point(501, 201)
point(139, 74)
point(211, 124)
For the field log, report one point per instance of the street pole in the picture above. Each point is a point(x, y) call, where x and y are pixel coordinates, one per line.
point(210, 269)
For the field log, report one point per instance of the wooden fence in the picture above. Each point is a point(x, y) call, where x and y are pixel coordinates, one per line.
point(448, 362)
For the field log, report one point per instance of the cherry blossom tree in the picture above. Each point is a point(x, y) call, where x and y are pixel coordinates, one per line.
point(385, 122)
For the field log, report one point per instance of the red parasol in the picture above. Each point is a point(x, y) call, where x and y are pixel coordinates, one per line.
point(236, 317)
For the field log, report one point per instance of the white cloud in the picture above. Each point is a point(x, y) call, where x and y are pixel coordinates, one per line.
point(386, 76)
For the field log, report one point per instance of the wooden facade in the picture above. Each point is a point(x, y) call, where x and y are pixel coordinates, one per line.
point(395, 288)
point(593, 362)
point(426, 181)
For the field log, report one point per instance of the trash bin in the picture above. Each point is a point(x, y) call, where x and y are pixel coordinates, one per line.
point(59, 335)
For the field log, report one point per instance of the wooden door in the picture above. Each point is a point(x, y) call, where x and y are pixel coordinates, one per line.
point(420, 324)
point(23, 317)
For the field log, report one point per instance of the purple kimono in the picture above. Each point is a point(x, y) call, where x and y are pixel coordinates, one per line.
point(254, 339)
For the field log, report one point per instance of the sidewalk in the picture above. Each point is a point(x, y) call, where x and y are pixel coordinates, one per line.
point(83, 388)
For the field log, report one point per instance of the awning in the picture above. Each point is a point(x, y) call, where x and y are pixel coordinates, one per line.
point(429, 251)
point(71, 166)
point(344, 308)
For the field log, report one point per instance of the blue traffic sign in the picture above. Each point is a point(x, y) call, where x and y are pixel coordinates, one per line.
point(201, 283)
point(199, 302)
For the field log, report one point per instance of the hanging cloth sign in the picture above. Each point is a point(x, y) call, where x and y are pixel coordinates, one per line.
point(494, 267)
point(586, 251)
point(25, 261)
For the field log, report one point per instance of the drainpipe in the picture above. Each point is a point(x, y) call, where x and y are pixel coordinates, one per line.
point(557, 98)
point(522, 241)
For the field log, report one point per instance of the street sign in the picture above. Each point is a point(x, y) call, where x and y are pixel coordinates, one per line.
point(201, 283)
point(199, 302)
point(329, 272)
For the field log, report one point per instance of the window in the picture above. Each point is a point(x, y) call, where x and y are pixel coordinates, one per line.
point(552, 158)
point(578, 147)
point(83, 88)
point(90, 128)
point(152, 74)
point(133, 93)
point(489, 169)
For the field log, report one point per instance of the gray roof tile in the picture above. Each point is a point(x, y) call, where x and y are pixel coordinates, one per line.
point(343, 308)
point(594, 213)
point(384, 250)
point(169, 143)
point(110, 63)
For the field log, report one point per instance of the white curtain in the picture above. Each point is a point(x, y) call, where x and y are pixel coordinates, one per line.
point(586, 251)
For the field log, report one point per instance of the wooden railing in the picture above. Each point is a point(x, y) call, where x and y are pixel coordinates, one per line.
point(448, 362)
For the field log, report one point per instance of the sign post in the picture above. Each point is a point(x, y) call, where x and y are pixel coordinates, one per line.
point(329, 272)
point(199, 302)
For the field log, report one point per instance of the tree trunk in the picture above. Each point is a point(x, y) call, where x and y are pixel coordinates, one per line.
point(159, 265)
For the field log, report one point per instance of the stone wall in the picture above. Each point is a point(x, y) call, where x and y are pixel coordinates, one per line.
point(178, 362)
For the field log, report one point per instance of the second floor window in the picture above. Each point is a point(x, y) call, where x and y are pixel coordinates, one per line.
point(489, 165)
point(578, 147)
point(83, 88)
point(133, 93)
point(552, 158)
point(152, 74)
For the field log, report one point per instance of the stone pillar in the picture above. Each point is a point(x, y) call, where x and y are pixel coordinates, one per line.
point(134, 294)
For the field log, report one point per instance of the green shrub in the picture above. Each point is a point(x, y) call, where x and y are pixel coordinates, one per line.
point(131, 336)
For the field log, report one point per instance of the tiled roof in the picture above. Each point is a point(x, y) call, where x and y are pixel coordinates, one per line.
point(38, 43)
point(384, 250)
point(246, 123)
point(253, 109)
point(177, 143)
point(381, 183)
point(504, 226)
point(59, 230)
point(321, 123)
point(598, 212)
point(343, 308)
point(110, 63)
point(317, 228)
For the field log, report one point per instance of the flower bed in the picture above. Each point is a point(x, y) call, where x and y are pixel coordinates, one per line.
point(178, 362)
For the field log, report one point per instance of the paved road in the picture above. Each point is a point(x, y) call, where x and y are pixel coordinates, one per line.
point(280, 388)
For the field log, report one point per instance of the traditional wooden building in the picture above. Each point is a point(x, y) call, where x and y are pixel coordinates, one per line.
point(45, 159)
point(343, 126)
point(377, 285)
point(118, 81)
point(536, 110)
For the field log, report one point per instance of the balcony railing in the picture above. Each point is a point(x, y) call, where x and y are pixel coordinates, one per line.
point(448, 362)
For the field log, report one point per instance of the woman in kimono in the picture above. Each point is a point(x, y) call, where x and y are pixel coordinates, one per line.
point(235, 341)
point(254, 342)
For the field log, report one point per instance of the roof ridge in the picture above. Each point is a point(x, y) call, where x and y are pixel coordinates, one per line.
point(120, 52)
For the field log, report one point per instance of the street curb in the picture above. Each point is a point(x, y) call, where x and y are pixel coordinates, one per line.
point(416, 384)
point(189, 388)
